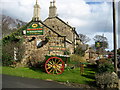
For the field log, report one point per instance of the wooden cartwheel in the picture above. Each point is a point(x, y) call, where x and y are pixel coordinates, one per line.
point(54, 65)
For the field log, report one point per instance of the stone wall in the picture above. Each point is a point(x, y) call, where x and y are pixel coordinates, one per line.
point(64, 29)
point(53, 44)
point(61, 28)
point(70, 48)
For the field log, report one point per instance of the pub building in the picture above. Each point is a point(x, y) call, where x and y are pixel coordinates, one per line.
point(53, 36)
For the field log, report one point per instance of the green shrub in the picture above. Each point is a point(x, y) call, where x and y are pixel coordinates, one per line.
point(79, 51)
point(7, 60)
point(8, 52)
point(101, 61)
point(77, 58)
point(105, 65)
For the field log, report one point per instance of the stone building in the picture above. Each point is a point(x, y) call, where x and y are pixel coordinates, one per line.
point(63, 28)
point(90, 55)
point(53, 36)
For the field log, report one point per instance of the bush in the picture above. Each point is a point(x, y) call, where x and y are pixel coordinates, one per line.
point(8, 52)
point(105, 65)
point(7, 60)
point(75, 60)
point(107, 80)
point(105, 76)
point(79, 51)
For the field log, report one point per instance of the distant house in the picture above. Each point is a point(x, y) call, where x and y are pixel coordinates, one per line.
point(90, 54)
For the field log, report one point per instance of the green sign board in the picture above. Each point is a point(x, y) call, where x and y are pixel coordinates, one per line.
point(98, 44)
point(36, 32)
point(34, 29)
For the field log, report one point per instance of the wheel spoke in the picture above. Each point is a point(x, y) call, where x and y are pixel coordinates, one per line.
point(58, 62)
point(60, 66)
point(50, 70)
point(50, 62)
point(59, 70)
point(49, 67)
point(53, 71)
point(53, 61)
point(56, 71)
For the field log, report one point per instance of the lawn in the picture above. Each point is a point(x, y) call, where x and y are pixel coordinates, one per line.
point(72, 76)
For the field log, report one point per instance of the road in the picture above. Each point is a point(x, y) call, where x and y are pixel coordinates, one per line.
point(119, 77)
point(20, 82)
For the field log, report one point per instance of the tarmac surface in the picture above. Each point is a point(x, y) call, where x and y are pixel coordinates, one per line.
point(119, 77)
point(21, 82)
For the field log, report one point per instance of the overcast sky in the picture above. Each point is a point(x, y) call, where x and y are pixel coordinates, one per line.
point(89, 18)
point(119, 24)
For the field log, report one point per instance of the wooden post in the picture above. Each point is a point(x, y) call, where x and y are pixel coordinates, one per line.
point(81, 68)
point(15, 53)
point(114, 35)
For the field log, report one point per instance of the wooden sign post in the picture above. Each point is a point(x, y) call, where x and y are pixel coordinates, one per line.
point(81, 68)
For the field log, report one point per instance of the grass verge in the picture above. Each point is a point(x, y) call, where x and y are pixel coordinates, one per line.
point(72, 76)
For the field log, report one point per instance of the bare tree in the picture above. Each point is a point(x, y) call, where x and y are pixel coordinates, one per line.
point(103, 44)
point(100, 38)
point(84, 39)
point(103, 39)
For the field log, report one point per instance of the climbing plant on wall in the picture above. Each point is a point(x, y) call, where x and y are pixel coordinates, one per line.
point(10, 42)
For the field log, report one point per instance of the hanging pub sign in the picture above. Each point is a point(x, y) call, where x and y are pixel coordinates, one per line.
point(98, 44)
point(34, 29)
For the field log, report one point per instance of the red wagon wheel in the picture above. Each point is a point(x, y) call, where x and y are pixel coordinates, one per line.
point(54, 65)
